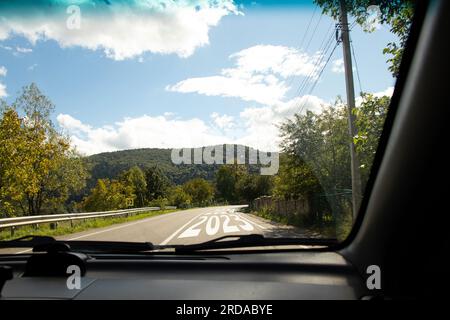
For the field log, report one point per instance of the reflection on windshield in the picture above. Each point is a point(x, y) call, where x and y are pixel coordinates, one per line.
point(181, 122)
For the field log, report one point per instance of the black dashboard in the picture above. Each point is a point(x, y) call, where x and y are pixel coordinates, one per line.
point(256, 276)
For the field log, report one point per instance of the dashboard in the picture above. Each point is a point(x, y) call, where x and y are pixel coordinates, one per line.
point(255, 276)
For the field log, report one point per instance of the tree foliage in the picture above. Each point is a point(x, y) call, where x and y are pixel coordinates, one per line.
point(157, 183)
point(321, 142)
point(200, 191)
point(179, 198)
point(39, 169)
point(135, 178)
point(295, 179)
point(316, 154)
point(251, 186)
point(370, 116)
point(397, 14)
point(108, 195)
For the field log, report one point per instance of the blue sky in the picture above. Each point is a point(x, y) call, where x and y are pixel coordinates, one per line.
point(214, 77)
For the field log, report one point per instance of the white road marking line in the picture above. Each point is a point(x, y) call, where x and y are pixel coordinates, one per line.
point(111, 229)
point(103, 231)
point(124, 226)
point(179, 230)
point(23, 251)
point(251, 221)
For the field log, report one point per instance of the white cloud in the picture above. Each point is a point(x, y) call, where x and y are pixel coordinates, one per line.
point(223, 122)
point(32, 67)
point(261, 123)
point(258, 75)
point(24, 50)
point(252, 89)
point(169, 114)
point(255, 126)
point(125, 30)
point(140, 132)
point(338, 66)
point(388, 92)
point(280, 60)
point(3, 71)
point(3, 91)
point(70, 123)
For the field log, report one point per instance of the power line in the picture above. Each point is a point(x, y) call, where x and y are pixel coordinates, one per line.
point(291, 77)
point(314, 32)
point(309, 25)
point(356, 65)
point(318, 78)
point(321, 71)
point(317, 64)
point(312, 36)
point(313, 74)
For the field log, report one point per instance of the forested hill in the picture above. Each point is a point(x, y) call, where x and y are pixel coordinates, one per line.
point(111, 164)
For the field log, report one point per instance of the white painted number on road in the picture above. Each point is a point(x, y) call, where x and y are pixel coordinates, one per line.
point(227, 228)
point(213, 221)
point(213, 225)
point(192, 231)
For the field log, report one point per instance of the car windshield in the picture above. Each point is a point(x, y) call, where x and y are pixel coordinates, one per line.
point(180, 122)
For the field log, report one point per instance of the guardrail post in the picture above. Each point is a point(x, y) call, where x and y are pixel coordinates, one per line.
point(12, 231)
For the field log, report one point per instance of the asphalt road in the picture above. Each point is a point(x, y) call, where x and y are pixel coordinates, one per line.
point(184, 227)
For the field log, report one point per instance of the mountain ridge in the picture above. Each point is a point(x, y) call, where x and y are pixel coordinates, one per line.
point(111, 164)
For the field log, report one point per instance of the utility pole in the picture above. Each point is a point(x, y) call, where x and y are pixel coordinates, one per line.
point(355, 165)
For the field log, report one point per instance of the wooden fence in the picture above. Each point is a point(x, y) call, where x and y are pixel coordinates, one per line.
point(298, 207)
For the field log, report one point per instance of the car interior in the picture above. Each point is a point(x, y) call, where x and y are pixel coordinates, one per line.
point(400, 231)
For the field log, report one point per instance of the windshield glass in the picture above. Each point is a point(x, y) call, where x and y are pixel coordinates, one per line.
point(195, 119)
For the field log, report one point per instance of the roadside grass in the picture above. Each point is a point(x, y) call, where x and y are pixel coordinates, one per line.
point(324, 230)
point(65, 227)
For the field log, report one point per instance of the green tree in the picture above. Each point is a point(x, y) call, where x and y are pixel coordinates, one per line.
point(370, 117)
point(157, 183)
point(320, 143)
point(316, 160)
point(295, 179)
point(226, 179)
point(108, 195)
point(200, 190)
point(251, 186)
point(38, 164)
point(13, 158)
point(398, 14)
point(226, 183)
point(68, 177)
point(135, 178)
point(179, 198)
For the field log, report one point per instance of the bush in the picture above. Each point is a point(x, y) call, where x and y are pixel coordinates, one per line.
point(179, 198)
point(159, 202)
point(200, 191)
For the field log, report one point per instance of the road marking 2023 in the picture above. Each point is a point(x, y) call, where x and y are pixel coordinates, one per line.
point(230, 223)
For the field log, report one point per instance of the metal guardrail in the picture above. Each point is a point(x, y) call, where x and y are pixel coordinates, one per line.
point(55, 218)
